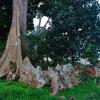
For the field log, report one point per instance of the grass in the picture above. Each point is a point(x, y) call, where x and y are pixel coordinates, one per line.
point(16, 91)
point(12, 90)
point(83, 91)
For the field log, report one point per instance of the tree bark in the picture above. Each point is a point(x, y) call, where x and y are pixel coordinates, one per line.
point(12, 51)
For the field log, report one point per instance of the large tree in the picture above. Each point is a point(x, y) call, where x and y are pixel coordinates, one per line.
point(73, 29)
point(78, 19)
point(12, 53)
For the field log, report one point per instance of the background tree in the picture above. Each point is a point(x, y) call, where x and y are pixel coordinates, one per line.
point(73, 29)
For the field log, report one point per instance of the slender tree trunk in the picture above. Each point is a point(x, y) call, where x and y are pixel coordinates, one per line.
point(12, 51)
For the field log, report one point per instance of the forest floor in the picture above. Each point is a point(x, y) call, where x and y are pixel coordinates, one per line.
point(12, 90)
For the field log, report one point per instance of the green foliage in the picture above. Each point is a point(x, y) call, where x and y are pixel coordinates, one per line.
point(79, 20)
point(91, 53)
point(38, 50)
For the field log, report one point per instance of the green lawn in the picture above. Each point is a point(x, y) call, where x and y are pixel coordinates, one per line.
point(11, 90)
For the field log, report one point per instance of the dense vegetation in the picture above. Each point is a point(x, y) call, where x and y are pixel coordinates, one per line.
point(74, 32)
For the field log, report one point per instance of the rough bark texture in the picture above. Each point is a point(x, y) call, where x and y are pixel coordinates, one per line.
point(12, 53)
point(62, 77)
point(30, 75)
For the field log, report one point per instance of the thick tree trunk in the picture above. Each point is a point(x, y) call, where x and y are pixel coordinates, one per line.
point(12, 53)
